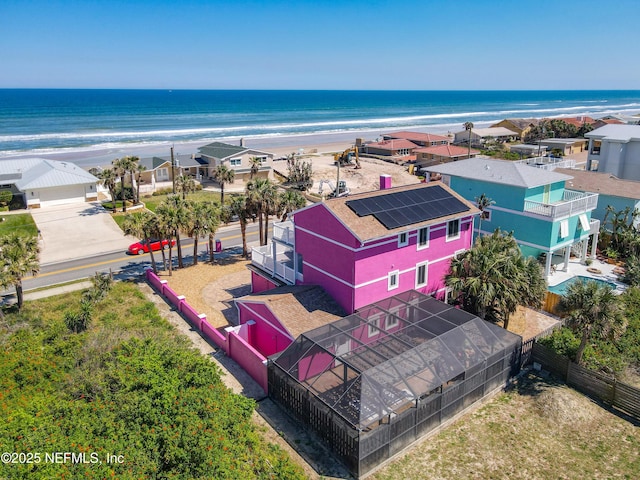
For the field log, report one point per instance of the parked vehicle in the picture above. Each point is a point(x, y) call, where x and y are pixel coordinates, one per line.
point(141, 247)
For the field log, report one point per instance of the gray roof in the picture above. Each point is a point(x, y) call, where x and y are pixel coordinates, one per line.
point(499, 171)
point(491, 132)
point(151, 163)
point(31, 173)
point(221, 151)
point(186, 160)
point(562, 141)
point(620, 133)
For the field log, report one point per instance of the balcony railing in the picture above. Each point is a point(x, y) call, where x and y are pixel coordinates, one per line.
point(572, 203)
point(284, 232)
point(548, 163)
point(281, 268)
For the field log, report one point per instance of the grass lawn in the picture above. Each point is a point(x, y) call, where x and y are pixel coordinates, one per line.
point(22, 222)
point(540, 430)
point(152, 202)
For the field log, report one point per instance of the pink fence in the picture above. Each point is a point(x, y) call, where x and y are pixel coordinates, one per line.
point(235, 347)
point(248, 358)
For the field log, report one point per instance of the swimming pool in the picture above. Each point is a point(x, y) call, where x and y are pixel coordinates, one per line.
point(561, 288)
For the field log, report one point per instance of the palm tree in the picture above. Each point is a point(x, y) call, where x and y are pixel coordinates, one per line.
point(18, 258)
point(262, 193)
point(142, 225)
point(483, 202)
point(493, 278)
point(132, 165)
point(592, 309)
point(469, 127)
point(212, 222)
point(120, 166)
point(186, 185)
point(108, 178)
point(198, 225)
point(241, 207)
point(223, 175)
point(289, 201)
point(139, 169)
point(255, 163)
point(175, 214)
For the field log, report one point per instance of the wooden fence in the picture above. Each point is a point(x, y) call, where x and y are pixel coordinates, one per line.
point(603, 387)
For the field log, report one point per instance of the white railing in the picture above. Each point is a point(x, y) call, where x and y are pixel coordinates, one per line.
point(262, 257)
point(284, 232)
point(548, 163)
point(572, 203)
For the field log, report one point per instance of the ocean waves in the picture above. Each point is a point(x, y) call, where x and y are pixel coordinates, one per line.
point(277, 114)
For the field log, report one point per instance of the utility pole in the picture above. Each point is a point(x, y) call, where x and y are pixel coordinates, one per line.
point(173, 170)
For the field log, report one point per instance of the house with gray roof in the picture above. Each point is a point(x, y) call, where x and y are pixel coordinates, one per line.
point(615, 149)
point(479, 136)
point(548, 220)
point(236, 158)
point(43, 183)
point(159, 170)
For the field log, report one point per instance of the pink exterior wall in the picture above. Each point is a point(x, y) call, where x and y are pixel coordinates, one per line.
point(268, 335)
point(260, 284)
point(318, 219)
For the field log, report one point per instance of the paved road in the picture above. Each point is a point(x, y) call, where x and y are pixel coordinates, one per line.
point(127, 266)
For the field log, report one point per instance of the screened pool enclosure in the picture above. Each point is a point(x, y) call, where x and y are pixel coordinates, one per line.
point(373, 382)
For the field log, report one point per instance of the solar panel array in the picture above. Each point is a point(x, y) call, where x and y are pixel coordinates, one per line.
point(399, 209)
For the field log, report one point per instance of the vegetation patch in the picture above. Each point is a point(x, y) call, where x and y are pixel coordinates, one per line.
point(152, 202)
point(21, 222)
point(126, 386)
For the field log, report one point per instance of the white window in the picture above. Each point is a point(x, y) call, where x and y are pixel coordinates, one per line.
point(235, 162)
point(423, 238)
point(263, 159)
point(393, 280)
point(453, 229)
point(391, 321)
point(163, 174)
point(403, 239)
point(564, 228)
point(421, 274)
point(486, 215)
point(584, 222)
point(373, 326)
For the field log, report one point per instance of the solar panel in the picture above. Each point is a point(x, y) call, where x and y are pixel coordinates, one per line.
point(399, 209)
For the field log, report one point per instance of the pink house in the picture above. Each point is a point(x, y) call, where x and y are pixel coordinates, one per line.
point(275, 318)
point(367, 247)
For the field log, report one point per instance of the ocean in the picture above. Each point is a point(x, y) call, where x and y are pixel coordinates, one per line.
point(40, 122)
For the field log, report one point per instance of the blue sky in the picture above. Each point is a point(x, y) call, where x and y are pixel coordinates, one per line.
point(375, 44)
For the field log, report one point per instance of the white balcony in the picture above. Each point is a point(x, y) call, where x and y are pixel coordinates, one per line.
point(572, 203)
point(283, 232)
point(548, 163)
point(279, 266)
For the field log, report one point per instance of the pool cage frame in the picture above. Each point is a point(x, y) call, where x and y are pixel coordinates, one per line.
point(374, 382)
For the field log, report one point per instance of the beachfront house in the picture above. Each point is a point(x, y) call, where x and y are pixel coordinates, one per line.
point(398, 148)
point(159, 171)
point(615, 149)
point(613, 193)
point(367, 247)
point(548, 220)
point(520, 126)
point(419, 138)
point(480, 136)
point(427, 156)
point(237, 158)
point(40, 183)
point(564, 146)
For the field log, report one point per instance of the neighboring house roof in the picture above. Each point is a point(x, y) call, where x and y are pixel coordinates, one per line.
point(562, 141)
point(222, 151)
point(598, 182)
point(577, 121)
point(33, 173)
point(152, 163)
point(417, 136)
point(446, 151)
point(368, 227)
point(299, 307)
point(618, 133)
point(500, 171)
point(520, 123)
point(391, 145)
point(490, 132)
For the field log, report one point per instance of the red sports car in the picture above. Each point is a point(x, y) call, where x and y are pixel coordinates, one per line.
point(141, 247)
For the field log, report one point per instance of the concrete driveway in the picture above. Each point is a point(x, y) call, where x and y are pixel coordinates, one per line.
point(76, 231)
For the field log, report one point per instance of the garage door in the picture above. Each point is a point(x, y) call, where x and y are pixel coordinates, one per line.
point(61, 196)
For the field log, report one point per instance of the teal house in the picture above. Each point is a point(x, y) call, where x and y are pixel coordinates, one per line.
point(549, 221)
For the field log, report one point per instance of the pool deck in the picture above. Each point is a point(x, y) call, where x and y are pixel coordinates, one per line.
point(578, 269)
